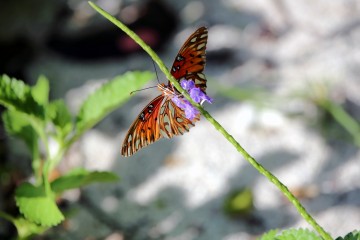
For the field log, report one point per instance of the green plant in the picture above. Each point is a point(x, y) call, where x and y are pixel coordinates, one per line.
point(320, 95)
point(29, 113)
point(31, 117)
point(217, 126)
point(302, 234)
point(291, 234)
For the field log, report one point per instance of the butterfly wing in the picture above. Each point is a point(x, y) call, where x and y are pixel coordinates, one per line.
point(160, 118)
point(172, 120)
point(191, 59)
point(145, 129)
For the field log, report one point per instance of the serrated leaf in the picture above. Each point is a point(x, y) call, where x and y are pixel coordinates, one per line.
point(81, 177)
point(17, 124)
point(26, 229)
point(109, 97)
point(296, 234)
point(60, 116)
point(15, 94)
point(355, 235)
point(36, 206)
point(40, 91)
point(270, 235)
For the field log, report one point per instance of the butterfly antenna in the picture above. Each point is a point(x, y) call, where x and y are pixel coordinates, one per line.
point(142, 89)
point(157, 77)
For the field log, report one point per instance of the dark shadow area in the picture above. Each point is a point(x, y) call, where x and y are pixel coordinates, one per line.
point(101, 39)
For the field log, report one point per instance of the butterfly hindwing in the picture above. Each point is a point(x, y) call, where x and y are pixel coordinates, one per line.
point(172, 120)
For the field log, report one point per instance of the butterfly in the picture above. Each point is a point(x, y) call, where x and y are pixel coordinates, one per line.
point(161, 117)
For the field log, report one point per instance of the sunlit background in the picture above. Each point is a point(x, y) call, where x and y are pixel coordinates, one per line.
point(285, 78)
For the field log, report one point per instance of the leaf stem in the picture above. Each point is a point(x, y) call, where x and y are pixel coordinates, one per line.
point(217, 126)
point(343, 118)
point(6, 216)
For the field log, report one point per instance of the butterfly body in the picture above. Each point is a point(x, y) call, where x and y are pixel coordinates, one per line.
point(162, 117)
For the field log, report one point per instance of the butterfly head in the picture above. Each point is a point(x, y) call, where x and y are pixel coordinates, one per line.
point(167, 90)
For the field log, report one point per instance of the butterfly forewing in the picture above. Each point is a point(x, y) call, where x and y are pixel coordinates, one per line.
point(191, 59)
point(145, 129)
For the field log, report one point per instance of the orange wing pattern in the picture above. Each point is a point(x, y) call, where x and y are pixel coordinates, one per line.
point(191, 59)
point(172, 120)
point(161, 117)
point(145, 129)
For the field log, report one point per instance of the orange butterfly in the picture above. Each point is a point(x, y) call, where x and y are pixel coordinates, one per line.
point(162, 117)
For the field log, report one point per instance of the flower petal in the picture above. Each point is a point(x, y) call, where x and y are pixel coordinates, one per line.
point(196, 94)
point(178, 102)
point(187, 85)
point(206, 98)
point(191, 112)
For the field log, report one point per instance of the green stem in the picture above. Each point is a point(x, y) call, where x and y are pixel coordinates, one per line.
point(57, 158)
point(50, 164)
point(230, 138)
point(344, 119)
point(46, 171)
point(36, 164)
point(7, 217)
point(46, 167)
point(36, 159)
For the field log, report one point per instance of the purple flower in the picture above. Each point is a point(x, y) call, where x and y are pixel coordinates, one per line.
point(195, 93)
point(199, 96)
point(187, 85)
point(190, 111)
point(178, 102)
point(206, 98)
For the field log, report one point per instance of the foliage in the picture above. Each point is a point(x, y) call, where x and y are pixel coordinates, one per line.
point(110, 96)
point(355, 235)
point(239, 202)
point(302, 234)
point(80, 177)
point(320, 95)
point(290, 234)
point(37, 205)
point(31, 117)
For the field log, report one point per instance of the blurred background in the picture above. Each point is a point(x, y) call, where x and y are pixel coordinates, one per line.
point(285, 79)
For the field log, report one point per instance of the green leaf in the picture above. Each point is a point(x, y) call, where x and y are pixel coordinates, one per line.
point(36, 206)
point(80, 177)
point(26, 228)
point(355, 235)
point(291, 234)
point(239, 202)
point(270, 235)
point(109, 97)
point(60, 115)
point(17, 124)
point(40, 91)
point(15, 94)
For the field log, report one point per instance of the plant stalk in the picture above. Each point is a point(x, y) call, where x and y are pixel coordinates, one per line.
point(217, 126)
